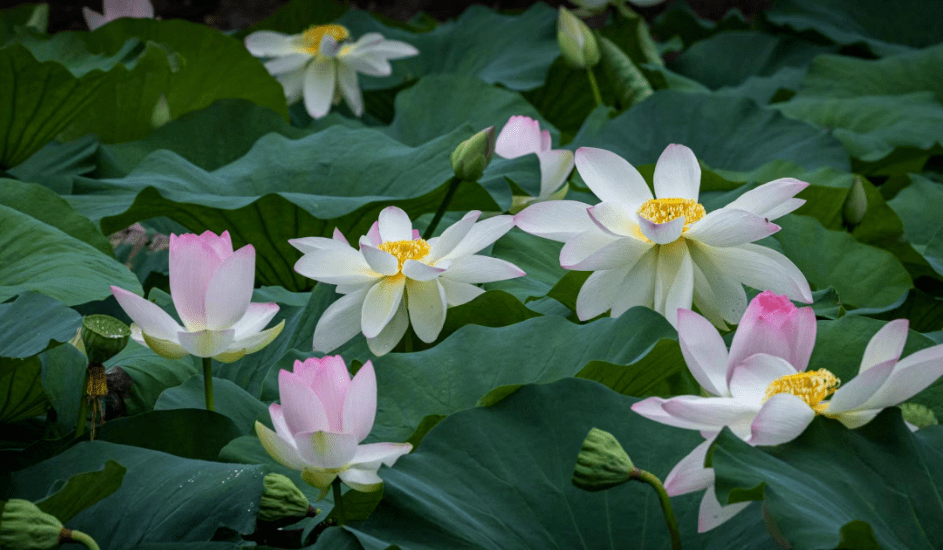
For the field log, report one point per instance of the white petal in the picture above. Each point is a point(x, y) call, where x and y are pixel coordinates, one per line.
point(359, 408)
point(377, 45)
point(286, 64)
point(449, 239)
point(426, 303)
point(256, 317)
point(706, 413)
point(326, 449)
point(458, 293)
point(364, 61)
point(312, 244)
point(598, 292)
point(270, 44)
point(380, 261)
point(319, 86)
point(419, 271)
point(555, 167)
point(482, 269)
point(712, 514)
point(611, 177)
point(293, 84)
point(92, 18)
point(674, 283)
point(888, 343)
point(520, 136)
point(250, 343)
point(782, 418)
point(395, 225)
point(392, 333)
point(689, 474)
point(583, 246)
point(704, 352)
point(749, 378)
point(336, 266)
point(620, 253)
point(481, 235)
point(729, 227)
point(771, 200)
point(380, 305)
point(282, 451)
point(761, 268)
point(855, 393)
point(206, 343)
point(729, 298)
point(910, 376)
point(614, 218)
point(340, 322)
point(379, 453)
point(147, 315)
point(347, 81)
point(661, 233)
point(677, 173)
point(856, 419)
point(555, 220)
point(704, 299)
point(230, 289)
point(638, 286)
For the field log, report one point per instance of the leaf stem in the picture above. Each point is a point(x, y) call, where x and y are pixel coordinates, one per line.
point(208, 381)
point(83, 407)
point(594, 85)
point(339, 515)
point(82, 538)
point(670, 521)
point(453, 187)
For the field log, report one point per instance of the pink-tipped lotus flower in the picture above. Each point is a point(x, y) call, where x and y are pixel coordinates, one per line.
point(522, 136)
point(116, 9)
point(323, 417)
point(763, 393)
point(211, 287)
point(667, 252)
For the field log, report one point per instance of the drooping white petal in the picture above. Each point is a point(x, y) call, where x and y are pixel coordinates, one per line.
point(748, 379)
point(282, 451)
point(711, 514)
point(638, 285)
point(325, 449)
point(520, 136)
point(427, 308)
point(206, 343)
point(888, 343)
point(760, 268)
point(380, 304)
point(729, 227)
point(362, 480)
point(256, 317)
point(375, 454)
point(319, 84)
point(286, 64)
point(293, 84)
point(771, 200)
point(661, 233)
point(230, 289)
point(481, 235)
point(458, 293)
point(597, 293)
point(359, 408)
point(677, 173)
point(336, 266)
point(611, 177)
point(419, 271)
point(910, 376)
point(584, 245)
point(619, 253)
point(555, 166)
point(689, 474)
point(449, 239)
point(147, 315)
point(377, 45)
point(250, 343)
point(340, 322)
point(681, 292)
point(704, 352)
point(270, 44)
point(782, 418)
point(312, 244)
point(347, 82)
point(729, 298)
point(395, 225)
point(482, 269)
point(614, 218)
point(705, 300)
point(856, 419)
point(555, 220)
point(392, 333)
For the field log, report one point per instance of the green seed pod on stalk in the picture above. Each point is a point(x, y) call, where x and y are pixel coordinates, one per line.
point(281, 499)
point(103, 337)
point(473, 155)
point(602, 463)
point(23, 526)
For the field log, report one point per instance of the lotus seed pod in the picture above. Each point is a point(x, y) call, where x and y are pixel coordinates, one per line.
point(602, 463)
point(103, 337)
point(23, 526)
point(918, 415)
point(577, 42)
point(473, 155)
point(281, 499)
point(856, 203)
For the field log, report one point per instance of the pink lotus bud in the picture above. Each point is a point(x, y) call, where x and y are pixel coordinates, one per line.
point(773, 325)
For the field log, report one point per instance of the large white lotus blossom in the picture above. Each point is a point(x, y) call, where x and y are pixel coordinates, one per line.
point(396, 278)
point(116, 9)
point(763, 393)
point(522, 136)
point(211, 287)
point(322, 418)
point(667, 252)
point(320, 65)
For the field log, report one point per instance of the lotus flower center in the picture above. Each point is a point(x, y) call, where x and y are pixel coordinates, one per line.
point(665, 210)
point(812, 387)
point(312, 37)
point(406, 250)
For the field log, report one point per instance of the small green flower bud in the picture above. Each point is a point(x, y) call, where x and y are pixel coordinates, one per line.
point(577, 42)
point(856, 203)
point(602, 463)
point(281, 499)
point(103, 337)
point(161, 113)
point(472, 156)
point(918, 415)
point(23, 526)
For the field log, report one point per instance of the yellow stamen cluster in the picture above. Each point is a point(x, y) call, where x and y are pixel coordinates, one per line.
point(665, 210)
point(812, 387)
point(406, 250)
point(312, 37)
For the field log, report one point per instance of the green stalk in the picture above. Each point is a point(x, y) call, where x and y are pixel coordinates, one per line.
point(83, 407)
point(594, 85)
point(82, 538)
point(208, 381)
point(453, 187)
point(339, 515)
point(670, 520)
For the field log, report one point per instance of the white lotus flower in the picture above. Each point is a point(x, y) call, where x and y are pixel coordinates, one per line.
point(667, 252)
point(319, 65)
point(116, 9)
point(522, 136)
point(396, 277)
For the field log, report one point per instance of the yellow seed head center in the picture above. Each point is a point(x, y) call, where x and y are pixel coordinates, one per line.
point(406, 250)
point(812, 387)
point(312, 37)
point(665, 210)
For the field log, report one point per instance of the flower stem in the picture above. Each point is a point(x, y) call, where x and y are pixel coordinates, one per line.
point(642, 475)
point(208, 381)
point(338, 502)
point(594, 85)
point(453, 187)
point(83, 407)
point(82, 538)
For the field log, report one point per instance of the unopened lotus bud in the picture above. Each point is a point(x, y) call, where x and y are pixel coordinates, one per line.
point(23, 526)
point(472, 156)
point(602, 463)
point(918, 415)
point(161, 113)
point(103, 337)
point(577, 42)
point(856, 203)
point(281, 499)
